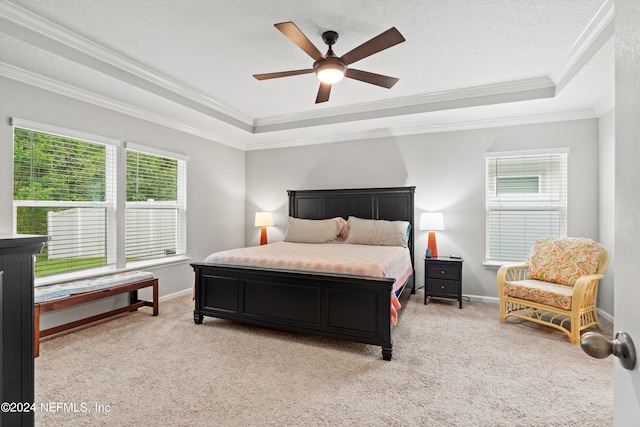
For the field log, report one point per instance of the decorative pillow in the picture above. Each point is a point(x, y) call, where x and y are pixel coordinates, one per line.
point(377, 232)
point(312, 230)
point(563, 261)
point(343, 224)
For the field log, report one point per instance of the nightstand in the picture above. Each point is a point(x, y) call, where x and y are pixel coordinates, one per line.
point(443, 278)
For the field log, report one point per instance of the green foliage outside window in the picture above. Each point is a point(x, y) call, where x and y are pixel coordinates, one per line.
point(151, 177)
point(54, 168)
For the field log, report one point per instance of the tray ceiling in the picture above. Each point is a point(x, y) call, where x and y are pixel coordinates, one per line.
point(189, 64)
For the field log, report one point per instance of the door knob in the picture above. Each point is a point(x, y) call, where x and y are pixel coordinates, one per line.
point(598, 346)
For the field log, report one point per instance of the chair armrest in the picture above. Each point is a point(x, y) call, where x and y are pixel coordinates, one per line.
point(510, 273)
point(585, 286)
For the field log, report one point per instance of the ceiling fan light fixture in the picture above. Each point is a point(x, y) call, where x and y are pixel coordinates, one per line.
point(330, 70)
point(328, 67)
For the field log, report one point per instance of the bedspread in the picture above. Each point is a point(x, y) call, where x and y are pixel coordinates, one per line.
point(327, 258)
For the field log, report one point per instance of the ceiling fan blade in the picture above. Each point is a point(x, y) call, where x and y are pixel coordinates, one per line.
point(323, 92)
point(294, 34)
point(389, 38)
point(266, 76)
point(374, 79)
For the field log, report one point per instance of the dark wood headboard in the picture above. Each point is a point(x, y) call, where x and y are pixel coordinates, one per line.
point(392, 204)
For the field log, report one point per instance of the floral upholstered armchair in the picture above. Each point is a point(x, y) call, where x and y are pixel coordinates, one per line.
point(558, 286)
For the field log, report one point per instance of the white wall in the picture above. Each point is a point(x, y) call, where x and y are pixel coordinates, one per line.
point(448, 170)
point(215, 179)
point(607, 189)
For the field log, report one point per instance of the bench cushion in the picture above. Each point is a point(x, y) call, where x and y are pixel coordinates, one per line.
point(61, 290)
point(563, 261)
point(551, 294)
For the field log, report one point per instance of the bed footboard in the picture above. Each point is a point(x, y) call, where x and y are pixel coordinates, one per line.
point(347, 308)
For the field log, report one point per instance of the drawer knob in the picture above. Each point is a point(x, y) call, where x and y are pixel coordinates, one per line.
point(442, 287)
point(441, 271)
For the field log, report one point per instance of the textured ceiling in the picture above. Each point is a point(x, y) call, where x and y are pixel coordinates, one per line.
point(189, 63)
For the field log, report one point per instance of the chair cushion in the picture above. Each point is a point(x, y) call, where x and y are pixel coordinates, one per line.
point(550, 294)
point(563, 261)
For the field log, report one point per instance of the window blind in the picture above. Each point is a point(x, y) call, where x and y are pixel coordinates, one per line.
point(64, 188)
point(526, 198)
point(156, 205)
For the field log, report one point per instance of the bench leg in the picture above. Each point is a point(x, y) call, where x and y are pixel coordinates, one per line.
point(155, 298)
point(133, 298)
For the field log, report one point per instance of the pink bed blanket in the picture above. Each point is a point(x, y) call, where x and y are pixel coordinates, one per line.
point(329, 258)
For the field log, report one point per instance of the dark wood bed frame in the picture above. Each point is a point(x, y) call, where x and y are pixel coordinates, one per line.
point(348, 308)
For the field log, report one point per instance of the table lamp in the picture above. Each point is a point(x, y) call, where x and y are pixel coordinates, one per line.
point(264, 220)
point(432, 221)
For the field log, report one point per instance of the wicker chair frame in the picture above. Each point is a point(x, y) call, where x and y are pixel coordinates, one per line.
point(572, 322)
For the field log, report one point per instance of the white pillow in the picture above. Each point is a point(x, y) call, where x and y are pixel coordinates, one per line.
point(377, 232)
point(312, 230)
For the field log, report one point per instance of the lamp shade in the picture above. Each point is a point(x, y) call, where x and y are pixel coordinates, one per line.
point(432, 221)
point(264, 219)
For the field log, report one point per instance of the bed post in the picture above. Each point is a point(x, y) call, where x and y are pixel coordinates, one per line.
point(387, 352)
point(198, 317)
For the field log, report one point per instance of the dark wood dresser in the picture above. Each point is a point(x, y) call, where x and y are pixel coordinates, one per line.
point(16, 327)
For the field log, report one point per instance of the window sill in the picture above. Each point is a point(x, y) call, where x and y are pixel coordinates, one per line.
point(161, 262)
point(103, 271)
point(495, 265)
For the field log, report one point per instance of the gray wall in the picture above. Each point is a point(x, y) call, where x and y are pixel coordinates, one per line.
point(448, 170)
point(215, 180)
point(226, 186)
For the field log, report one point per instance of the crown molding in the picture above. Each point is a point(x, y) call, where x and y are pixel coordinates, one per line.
point(605, 106)
point(46, 83)
point(51, 85)
point(434, 128)
point(521, 90)
point(597, 32)
point(81, 50)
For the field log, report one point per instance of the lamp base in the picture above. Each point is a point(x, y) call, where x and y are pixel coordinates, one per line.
point(431, 244)
point(263, 236)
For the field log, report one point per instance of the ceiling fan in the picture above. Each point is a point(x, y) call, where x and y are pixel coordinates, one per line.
point(329, 68)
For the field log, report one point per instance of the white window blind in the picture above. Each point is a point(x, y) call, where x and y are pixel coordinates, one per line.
point(526, 198)
point(155, 204)
point(64, 187)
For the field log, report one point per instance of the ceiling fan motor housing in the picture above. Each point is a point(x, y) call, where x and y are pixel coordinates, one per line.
point(330, 37)
point(332, 66)
point(329, 62)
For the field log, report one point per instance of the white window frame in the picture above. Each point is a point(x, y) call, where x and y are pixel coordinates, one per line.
point(513, 202)
point(180, 204)
point(115, 203)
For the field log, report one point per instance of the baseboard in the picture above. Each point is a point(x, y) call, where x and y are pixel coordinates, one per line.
point(178, 294)
point(606, 316)
point(478, 298)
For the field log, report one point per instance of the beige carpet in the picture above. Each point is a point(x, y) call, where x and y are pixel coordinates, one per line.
point(451, 367)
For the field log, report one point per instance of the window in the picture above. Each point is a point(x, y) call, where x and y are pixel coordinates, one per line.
point(65, 186)
point(156, 205)
point(526, 198)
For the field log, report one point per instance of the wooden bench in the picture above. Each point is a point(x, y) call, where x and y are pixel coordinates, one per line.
point(83, 297)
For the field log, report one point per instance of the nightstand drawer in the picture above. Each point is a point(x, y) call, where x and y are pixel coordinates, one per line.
point(443, 287)
point(443, 270)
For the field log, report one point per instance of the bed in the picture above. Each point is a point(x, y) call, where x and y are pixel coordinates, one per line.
point(326, 303)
